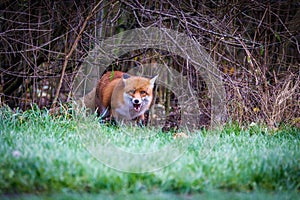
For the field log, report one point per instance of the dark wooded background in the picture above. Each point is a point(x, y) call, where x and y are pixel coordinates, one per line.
point(255, 45)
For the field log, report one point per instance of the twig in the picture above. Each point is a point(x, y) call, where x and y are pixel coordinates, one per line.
point(71, 52)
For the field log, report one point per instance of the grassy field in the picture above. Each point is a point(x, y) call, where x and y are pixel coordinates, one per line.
point(48, 157)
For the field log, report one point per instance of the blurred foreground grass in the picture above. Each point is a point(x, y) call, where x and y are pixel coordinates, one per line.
point(42, 155)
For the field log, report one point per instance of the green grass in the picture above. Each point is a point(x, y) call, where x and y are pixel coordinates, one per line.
point(50, 156)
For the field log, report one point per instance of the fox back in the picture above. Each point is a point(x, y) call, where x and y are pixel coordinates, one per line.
point(123, 96)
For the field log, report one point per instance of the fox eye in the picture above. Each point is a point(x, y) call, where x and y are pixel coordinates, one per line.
point(142, 92)
point(131, 91)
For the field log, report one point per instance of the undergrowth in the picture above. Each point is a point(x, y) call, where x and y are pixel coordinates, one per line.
point(40, 153)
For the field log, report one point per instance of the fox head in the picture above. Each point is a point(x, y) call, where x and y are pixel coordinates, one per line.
point(138, 92)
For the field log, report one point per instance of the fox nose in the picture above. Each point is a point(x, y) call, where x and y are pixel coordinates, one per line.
point(136, 101)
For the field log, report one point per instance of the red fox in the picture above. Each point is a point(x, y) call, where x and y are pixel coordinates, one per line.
point(123, 97)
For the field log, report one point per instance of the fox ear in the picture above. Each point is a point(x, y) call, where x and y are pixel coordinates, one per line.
point(152, 80)
point(125, 76)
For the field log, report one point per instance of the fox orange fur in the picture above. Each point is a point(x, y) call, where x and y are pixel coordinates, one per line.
point(122, 96)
